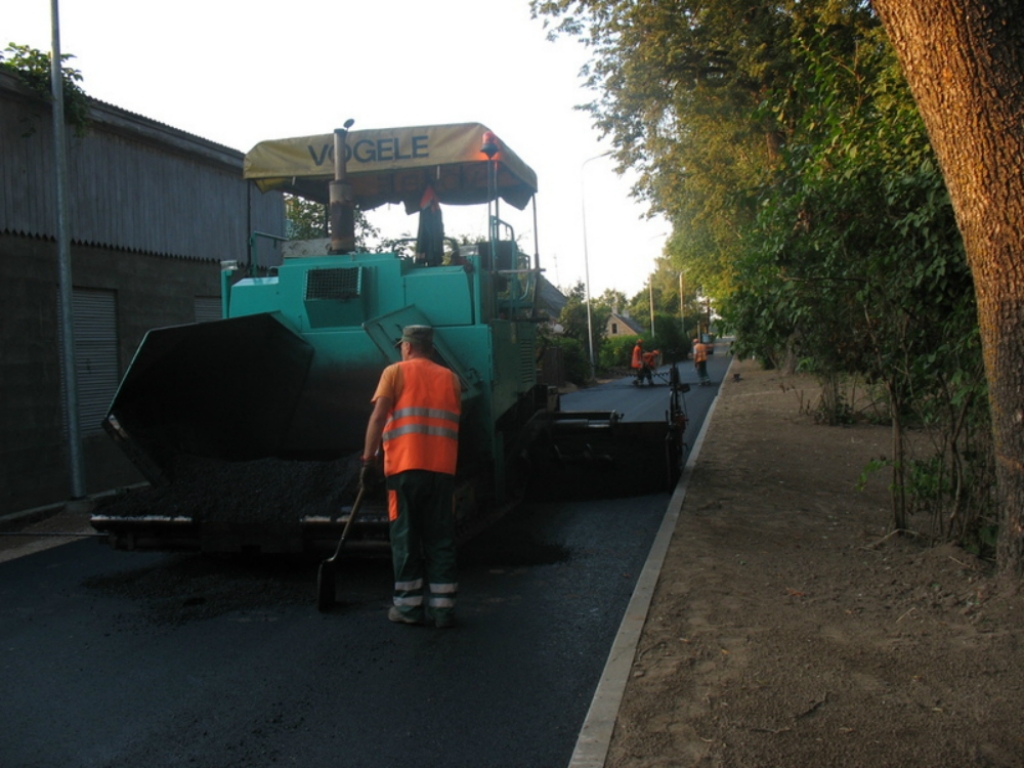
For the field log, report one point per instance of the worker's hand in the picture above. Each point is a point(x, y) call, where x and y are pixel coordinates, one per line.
point(369, 475)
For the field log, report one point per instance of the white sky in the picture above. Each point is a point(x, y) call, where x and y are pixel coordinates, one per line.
point(242, 72)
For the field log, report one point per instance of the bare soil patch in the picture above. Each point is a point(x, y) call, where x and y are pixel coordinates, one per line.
point(786, 630)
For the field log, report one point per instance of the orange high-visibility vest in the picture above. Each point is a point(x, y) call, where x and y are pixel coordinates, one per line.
point(700, 352)
point(637, 356)
point(422, 430)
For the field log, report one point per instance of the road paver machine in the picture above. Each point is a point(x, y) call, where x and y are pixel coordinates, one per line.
point(249, 428)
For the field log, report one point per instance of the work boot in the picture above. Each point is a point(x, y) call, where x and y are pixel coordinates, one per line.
point(398, 617)
point(444, 620)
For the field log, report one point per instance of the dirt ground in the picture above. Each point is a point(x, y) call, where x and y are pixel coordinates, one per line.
point(786, 630)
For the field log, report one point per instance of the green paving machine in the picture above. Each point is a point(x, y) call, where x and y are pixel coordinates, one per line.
point(249, 428)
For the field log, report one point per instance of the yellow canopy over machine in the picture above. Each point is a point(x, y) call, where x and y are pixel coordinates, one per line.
point(396, 165)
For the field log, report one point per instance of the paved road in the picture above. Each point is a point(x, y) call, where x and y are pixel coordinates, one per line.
point(127, 659)
point(650, 403)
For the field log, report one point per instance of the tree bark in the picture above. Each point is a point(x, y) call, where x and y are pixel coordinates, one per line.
point(964, 62)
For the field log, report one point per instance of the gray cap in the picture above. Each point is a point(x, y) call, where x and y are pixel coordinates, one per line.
point(420, 335)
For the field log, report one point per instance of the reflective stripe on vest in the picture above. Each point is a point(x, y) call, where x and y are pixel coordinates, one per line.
point(422, 431)
point(424, 428)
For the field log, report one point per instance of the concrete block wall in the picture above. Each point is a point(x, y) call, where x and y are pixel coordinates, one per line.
point(151, 292)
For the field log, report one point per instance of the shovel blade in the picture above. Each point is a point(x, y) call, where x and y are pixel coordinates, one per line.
point(325, 587)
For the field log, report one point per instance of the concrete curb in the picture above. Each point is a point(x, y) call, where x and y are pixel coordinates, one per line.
point(81, 506)
point(36, 514)
point(596, 734)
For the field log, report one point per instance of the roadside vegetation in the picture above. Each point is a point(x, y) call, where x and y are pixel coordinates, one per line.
point(786, 148)
point(32, 68)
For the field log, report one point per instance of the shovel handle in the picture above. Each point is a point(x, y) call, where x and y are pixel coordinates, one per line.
point(348, 523)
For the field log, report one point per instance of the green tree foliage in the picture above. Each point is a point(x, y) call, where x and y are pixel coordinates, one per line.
point(614, 301)
point(678, 87)
point(573, 320)
point(860, 269)
point(962, 60)
point(783, 144)
point(574, 357)
point(32, 67)
point(307, 220)
point(617, 353)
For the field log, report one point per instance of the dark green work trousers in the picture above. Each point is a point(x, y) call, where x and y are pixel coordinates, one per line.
point(423, 543)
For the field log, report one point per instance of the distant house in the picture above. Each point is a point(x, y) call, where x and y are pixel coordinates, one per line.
point(619, 325)
point(152, 212)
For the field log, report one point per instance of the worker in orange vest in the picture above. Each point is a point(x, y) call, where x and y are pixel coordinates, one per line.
point(650, 363)
point(638, 365)
point(700, 361)
point(415, 419)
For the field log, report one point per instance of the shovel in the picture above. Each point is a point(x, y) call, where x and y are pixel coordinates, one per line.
point(325, 574)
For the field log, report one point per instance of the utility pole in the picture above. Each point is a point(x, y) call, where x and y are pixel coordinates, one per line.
point(64, 284)
point(586, 262)
point(682, 313)
point(650, 293)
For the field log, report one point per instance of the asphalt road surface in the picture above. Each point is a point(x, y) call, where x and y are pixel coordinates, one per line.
point(650, 403)
point(128, 659)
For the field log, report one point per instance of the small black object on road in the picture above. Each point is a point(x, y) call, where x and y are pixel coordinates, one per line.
point(325, 577)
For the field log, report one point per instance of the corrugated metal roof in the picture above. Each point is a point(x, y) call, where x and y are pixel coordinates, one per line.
point(135, 184)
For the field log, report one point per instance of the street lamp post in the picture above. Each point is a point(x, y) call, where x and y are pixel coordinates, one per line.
point(650, 300)
point(682, 314)
point(586, 262)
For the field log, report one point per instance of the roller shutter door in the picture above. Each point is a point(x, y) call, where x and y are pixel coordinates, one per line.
point(96, 367)
point(207, 308)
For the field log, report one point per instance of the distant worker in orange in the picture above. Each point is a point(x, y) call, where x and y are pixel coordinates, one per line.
point(638, 365)
point(638, 355)
point(415, 418)
point(700, 361)
point(651, 363)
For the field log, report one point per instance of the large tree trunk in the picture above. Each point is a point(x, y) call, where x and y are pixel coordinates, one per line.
point(964, 61)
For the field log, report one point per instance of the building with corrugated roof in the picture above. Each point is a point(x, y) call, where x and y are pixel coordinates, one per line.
point(152, 212)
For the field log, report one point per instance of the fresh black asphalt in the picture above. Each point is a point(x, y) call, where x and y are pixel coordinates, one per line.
point(125, 659)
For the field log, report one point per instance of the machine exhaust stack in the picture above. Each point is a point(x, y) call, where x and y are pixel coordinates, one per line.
point(343, 220)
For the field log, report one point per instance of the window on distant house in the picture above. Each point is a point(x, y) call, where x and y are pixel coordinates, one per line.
point(615, 329)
